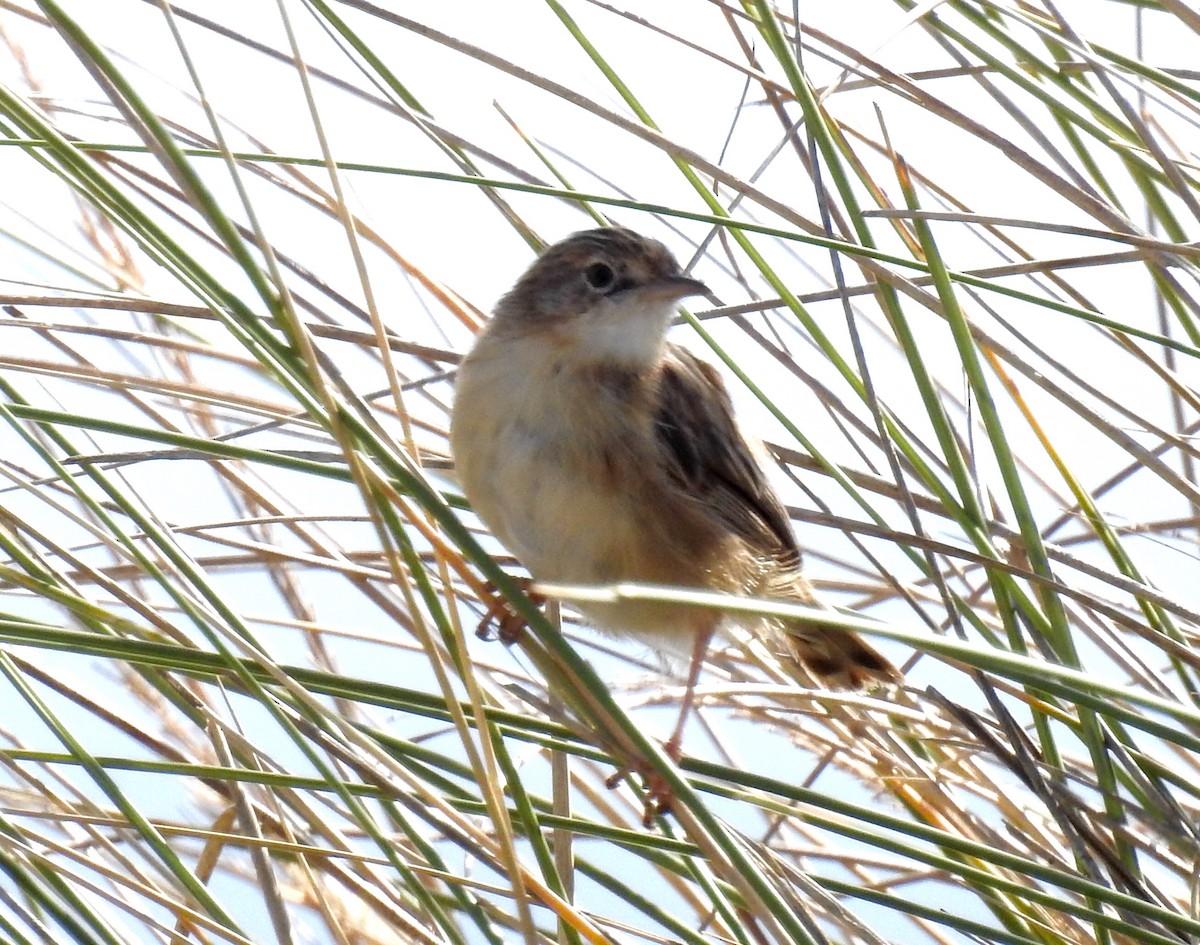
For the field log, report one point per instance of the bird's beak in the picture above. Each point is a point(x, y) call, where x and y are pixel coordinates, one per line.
point(673, 288)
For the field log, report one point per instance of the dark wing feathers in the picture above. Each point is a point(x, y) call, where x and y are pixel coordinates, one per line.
point(713, 463)
point(711, 460)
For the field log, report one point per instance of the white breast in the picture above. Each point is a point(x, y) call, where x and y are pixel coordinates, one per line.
point(524, 437)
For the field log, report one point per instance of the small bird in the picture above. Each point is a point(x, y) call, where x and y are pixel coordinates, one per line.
point(599, 452)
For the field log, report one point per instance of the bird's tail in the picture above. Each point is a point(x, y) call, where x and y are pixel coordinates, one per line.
point(838, 658)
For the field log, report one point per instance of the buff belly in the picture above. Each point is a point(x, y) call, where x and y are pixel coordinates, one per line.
point(563, 496)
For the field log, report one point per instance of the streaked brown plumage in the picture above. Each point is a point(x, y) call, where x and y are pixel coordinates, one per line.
point(598, 452)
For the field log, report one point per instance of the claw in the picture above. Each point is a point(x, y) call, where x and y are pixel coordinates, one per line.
point(500, 613)
point(659, 800)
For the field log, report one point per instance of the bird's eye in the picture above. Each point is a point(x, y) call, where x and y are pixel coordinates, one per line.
point(599, 275)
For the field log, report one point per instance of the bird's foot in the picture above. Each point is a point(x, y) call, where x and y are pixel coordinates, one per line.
point(659, 799)
point(500, 614)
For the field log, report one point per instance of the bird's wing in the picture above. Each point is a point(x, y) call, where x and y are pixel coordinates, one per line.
point(711, 461)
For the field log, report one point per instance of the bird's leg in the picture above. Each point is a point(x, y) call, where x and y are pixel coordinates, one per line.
point(699, 651)
point(509, 623)
point(659, 799)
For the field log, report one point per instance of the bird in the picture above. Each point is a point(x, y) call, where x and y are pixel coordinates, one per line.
point(598, 451)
